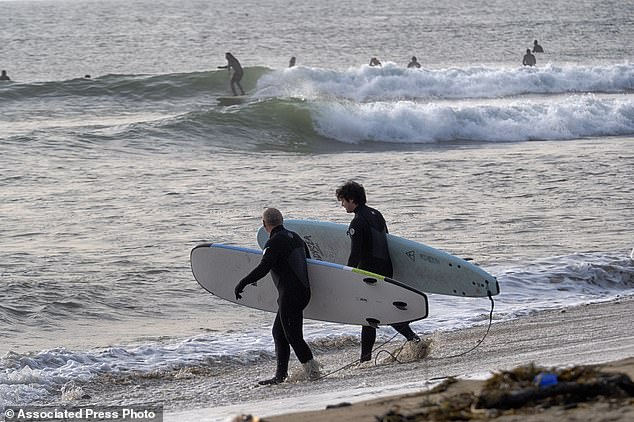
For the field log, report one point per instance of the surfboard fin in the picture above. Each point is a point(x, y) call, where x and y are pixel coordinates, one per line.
point(400, 305)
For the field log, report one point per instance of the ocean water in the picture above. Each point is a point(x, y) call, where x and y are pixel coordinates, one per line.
point(108, 182)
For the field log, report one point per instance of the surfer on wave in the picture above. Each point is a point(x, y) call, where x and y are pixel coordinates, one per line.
point(238, 72)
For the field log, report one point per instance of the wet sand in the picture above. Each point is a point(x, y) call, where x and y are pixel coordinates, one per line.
point(598, 333)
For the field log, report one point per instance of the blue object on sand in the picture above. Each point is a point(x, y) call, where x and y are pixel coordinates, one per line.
point(545, 379)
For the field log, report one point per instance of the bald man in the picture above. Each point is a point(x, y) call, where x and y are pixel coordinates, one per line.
point(285, 256)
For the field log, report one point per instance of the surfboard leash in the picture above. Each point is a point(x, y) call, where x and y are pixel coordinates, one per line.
point(395, 356)
point(356, 361)
point(483, 337)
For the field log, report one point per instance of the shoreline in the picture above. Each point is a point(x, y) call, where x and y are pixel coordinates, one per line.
point(589, 334)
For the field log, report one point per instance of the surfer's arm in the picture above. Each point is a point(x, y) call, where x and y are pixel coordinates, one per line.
point(253, 277)
point(268, 260)
point(356, 247)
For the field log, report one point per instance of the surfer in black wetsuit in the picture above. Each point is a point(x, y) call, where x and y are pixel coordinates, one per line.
point(238, 72)
point(285, 256)
point(537, 48)
point(4, 76)
point(369, 251)
point(529, 58)
point(375, 62)
point(413, 63)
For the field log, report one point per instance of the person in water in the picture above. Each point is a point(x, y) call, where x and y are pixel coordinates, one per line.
point(413, 63)
point(537, 48)
point(291, 62)
point(529, 58)
point(4, 76)
point(375, 62)
point(238, 72)
point(368, 251)
point(285, 256)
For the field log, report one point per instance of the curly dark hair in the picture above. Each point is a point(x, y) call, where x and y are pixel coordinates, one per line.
point(352, 191)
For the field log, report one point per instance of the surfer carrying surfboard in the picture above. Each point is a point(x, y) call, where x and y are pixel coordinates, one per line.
point(285, 256)
point(238, 72)
point(368, 251)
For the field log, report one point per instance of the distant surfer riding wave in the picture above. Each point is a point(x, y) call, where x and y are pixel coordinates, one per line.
point(238, 72)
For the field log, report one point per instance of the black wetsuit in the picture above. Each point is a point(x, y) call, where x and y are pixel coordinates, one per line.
point(238, 72)
point(285, 256)
point(369, 251)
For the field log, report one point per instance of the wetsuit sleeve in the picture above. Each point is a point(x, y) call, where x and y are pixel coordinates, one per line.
point(355, 231)
point(269, 258)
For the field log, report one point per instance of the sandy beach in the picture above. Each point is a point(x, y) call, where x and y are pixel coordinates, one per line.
point(421, 405)
point(596, 334)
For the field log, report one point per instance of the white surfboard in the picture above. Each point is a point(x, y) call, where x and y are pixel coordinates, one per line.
point(338, 293)
point(415, 264)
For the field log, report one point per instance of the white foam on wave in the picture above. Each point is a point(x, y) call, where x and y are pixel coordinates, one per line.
point(570, 117)
point(28, 377)
point(395, 104)
point(393, 82)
